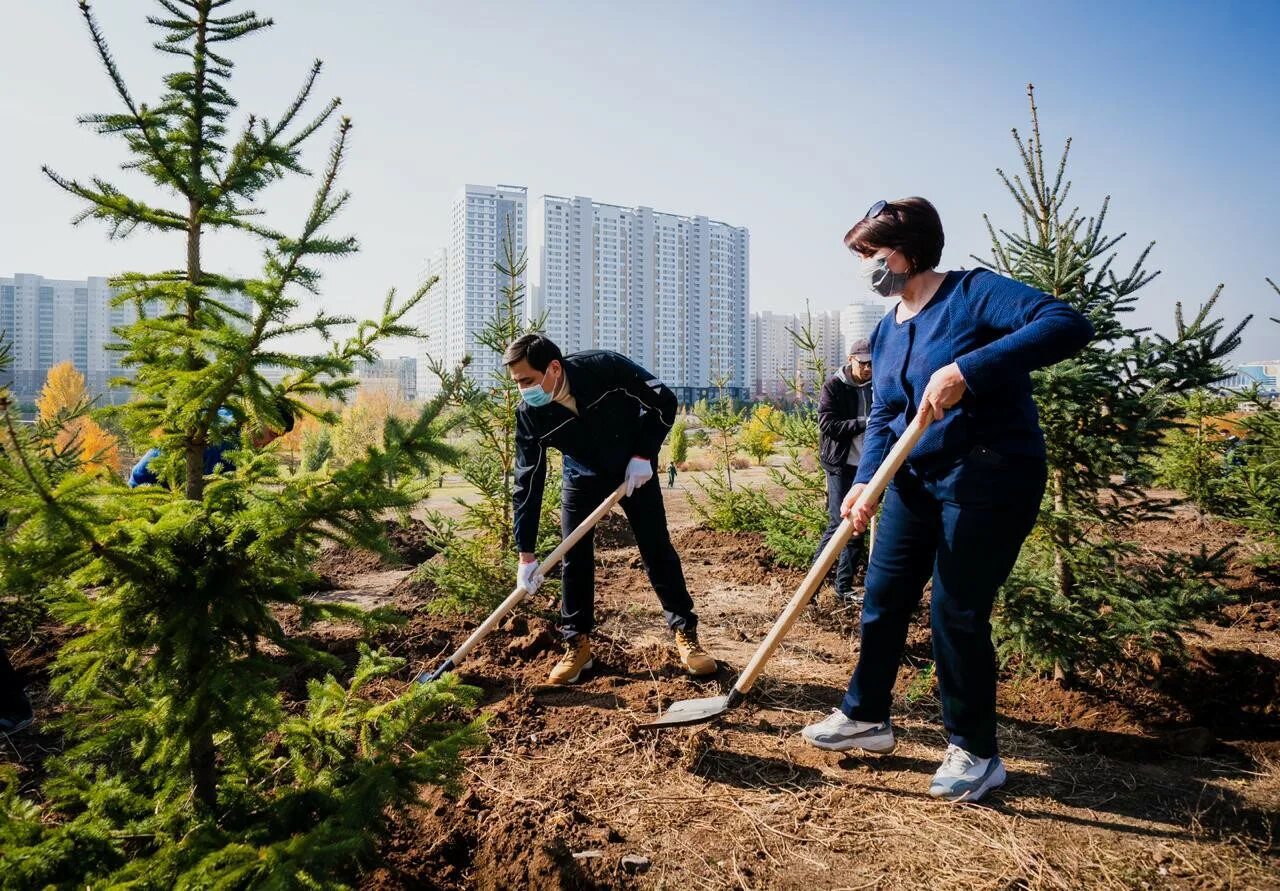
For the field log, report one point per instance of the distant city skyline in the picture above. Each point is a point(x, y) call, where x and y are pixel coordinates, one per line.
point(796, 123)
point(48, 321)
point(669, 290)
point(470, 287)
point(778, 362)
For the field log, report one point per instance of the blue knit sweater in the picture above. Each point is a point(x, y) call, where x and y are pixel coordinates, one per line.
point(997, 330)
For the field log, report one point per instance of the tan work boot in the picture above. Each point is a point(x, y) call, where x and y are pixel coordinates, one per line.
point(692, 655)
point(576, 660)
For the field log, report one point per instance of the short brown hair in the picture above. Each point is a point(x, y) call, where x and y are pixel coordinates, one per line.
point(910, 226)
point(537, 349)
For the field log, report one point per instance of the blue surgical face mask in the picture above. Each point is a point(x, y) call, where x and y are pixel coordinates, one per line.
point(535, 396)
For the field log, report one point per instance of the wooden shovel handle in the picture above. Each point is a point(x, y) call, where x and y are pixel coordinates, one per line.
point(875, 488)
point(519, 594)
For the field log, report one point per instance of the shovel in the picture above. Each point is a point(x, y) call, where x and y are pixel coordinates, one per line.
point(698, 711)
point(515, 597)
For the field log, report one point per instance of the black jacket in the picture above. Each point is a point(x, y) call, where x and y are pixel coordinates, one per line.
point(623, 412)
point(843, 408)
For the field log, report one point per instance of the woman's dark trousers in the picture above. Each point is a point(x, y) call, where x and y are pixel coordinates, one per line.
point(964, 526)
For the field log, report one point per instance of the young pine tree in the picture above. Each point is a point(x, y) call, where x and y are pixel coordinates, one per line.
point(794, 525)
point(1194, 459)
point(722, 505)
point(1255, 474)
point(182, 768)
point(477, 564)
point(317, 448)
point(1078, 597)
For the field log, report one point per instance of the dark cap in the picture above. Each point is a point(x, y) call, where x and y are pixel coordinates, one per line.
point(861, 350)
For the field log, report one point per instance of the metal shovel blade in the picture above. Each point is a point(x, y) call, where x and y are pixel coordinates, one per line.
point(691, 711)
point(695, 711)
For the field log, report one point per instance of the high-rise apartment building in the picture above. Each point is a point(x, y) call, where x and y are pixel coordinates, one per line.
point(398, 376)
point(780, 363)
point(859, 319)
point(669, 291)
point(431, 321)
point(470, 288)
point(49, 321)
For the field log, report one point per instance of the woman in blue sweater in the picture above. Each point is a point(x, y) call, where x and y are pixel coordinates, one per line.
point(960, 346)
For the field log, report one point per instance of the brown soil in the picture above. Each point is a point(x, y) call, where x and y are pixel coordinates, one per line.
point(1156, 776)
point(410, 545)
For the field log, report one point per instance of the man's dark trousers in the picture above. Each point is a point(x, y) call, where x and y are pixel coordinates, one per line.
point(964, 525)
point(645, 511)
point(838, 485)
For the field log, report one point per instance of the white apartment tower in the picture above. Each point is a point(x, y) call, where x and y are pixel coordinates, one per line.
point(859, 319)
point(48, 321)
point(470, 288)
point(431, 321)
point(669, 291)
point(779, 363)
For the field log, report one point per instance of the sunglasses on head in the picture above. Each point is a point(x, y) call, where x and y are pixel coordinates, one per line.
point(872, 212)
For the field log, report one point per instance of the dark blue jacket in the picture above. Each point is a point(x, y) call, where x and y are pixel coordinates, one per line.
point(142, 474)
point(623, 412)
point(997, 331)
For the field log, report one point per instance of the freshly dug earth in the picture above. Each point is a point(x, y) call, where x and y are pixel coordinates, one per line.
point(410, 545)
point(1163, 778)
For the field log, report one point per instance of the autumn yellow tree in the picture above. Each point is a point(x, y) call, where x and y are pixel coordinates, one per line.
point(363, 420)
point(63, 401)
point(759, 435)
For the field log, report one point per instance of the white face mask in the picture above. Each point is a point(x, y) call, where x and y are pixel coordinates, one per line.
point(880, 278)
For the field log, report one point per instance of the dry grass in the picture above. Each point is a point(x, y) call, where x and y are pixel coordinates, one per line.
point(730, 806)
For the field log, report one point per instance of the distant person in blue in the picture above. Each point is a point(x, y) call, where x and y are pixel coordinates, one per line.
point(215, 455)
point(960, 346)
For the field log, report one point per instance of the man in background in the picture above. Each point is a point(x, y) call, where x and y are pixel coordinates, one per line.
point(843, 409)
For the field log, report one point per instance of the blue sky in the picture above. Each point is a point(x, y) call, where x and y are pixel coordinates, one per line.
point(786, 118)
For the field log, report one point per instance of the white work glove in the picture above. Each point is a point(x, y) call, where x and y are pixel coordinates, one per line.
point(639, 472)
point(527, 576)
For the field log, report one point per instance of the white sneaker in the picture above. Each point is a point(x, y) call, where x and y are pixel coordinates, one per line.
point(837, 733)
point(964, 776)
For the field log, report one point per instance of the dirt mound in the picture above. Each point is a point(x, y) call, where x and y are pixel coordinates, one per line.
point(614, 531)
point(470, 843)
point(1184, 531)
point(410, 545)
point(738, 557)
point(1256, 616)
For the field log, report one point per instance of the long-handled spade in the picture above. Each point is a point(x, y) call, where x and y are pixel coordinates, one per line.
point(515, 597)
point(698, 711)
